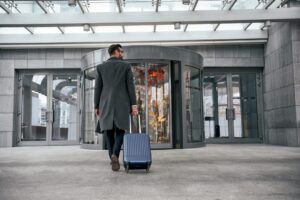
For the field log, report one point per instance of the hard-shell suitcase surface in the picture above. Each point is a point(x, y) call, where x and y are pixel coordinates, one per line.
point(137, 150)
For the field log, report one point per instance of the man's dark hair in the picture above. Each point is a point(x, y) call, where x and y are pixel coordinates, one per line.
point(113, 47)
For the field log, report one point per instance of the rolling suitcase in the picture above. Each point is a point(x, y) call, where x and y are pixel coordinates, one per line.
point(137, 151)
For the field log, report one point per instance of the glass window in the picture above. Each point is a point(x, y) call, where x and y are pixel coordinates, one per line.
point(108, 29)
point(255, 26)
point(168, 28)
point(14, 30)
point(245, 4)
point(62, 6)
point(200, 27)
point(192, 80)
point(209, 5)
point(233, 26)
point(138, 6)
point(102, 6)
point(46, 30)
point(275, 4)
point(139, 28)
point(75, 29)
point(169, 5)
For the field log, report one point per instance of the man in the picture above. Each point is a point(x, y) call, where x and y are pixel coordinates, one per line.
point(114, 100)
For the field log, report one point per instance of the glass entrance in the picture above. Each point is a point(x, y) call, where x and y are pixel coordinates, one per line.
point(153, 91)
point(35, 107)
point(230, 106)
point(64, 106)
point(48, 109)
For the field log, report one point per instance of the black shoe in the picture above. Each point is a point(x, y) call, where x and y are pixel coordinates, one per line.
point(115, 163)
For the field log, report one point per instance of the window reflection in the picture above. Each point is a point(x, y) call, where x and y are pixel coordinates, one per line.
point(90, 118)
point(193, 103)
point(152, 85)
point(34, 108)
point(158, 103)
point(138, 70)
point(64, 103)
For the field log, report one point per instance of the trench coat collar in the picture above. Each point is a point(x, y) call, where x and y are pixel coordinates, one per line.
point(114, 58)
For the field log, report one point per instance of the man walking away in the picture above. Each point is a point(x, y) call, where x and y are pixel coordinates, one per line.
point(114, 100)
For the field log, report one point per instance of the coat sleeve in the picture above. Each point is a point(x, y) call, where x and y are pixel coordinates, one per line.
point(130, 85)
point(98, 88)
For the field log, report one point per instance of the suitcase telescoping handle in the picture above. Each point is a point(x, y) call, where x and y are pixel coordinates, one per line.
point(139, 124)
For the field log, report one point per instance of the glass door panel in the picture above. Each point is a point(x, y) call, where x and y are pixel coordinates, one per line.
point(215, 106)
point(90, 118)
point(158, 102)
point(249, 115)
point(230, 105)
point(221, 128)
point(34, 107)
point(236, 102)
point(193, 103)
point(64, 106)
point(152, 85)
point(139, 74)
point(209, 122)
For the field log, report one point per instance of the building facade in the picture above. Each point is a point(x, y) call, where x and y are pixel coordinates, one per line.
point(251, 92)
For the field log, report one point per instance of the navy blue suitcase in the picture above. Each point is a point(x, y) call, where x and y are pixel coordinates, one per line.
point(136, 150)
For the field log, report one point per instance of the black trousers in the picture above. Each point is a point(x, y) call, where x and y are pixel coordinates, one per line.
point(114, 140)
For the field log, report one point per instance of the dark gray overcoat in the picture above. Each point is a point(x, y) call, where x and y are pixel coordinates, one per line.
point(114, 93)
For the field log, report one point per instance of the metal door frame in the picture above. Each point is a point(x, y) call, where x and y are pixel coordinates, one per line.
point(231, 138)
point(49, 113)
point(230, 121)
point(185, 142)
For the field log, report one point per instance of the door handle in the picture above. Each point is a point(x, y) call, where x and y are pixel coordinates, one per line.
point(47, 117)
point(227, 117)
point(230, 113)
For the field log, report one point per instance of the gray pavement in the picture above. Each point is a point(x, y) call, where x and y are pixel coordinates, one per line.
point(215, 172)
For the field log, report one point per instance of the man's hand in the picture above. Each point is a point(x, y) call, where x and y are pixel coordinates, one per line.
point(97, 111)
point(134, 110)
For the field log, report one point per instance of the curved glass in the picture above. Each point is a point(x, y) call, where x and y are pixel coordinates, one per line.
point(153, 100)
point(89, 112)
point(192, 78)
point(153, 91)
point(158, 103)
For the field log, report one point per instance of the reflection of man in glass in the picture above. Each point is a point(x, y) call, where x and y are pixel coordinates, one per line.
point(114, 99)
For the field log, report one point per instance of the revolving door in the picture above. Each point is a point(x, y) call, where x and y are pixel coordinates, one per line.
point(168, 93)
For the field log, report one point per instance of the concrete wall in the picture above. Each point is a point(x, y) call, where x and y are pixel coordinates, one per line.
point(296, 66)
point(231, 55)
point(282, 84)
point(13, 59)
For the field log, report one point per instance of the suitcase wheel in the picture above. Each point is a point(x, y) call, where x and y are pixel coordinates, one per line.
point(148, 168)
point(127, 168)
